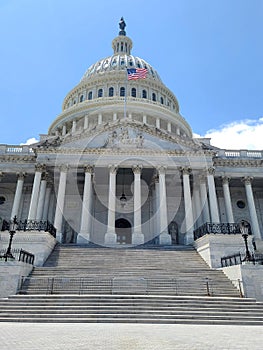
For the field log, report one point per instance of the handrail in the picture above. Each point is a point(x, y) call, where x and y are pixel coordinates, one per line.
point(216, 228)
point(31, 225)
point(19, 255)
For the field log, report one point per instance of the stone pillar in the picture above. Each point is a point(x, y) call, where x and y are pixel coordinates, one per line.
point(157, 123)
point(137, 236)
point(84, 235)
point(47, 200)
point(114, 117)
point(188, 208)
point(212, 196)
point(227, 199)
point(251, 207)
point(164, 238)
point(99, 119)
point(110, 236)
point(74, 126)
point(169, 127)
point(64, 130)
point(204, 201)
point(197, 212)
point(60, 202)
point(35, 192)
point(86, 122)
point(41, 199)
point(144, 119)
point(18, 195)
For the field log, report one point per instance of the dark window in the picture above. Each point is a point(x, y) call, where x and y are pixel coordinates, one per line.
point(111, 91)
point(122, 91)
point(154, 96)
point(144, 94)
point(241, 204)
point(90, 95)
point(81, 98)
point(2, 200)
point(161, 100)
point(133, 92)
point(100, 93)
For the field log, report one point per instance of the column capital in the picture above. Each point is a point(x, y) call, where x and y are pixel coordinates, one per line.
point(185, 170)
point(247, 180)
point(45, 176)
point(40, 167)
point(137, 169)
point(161, 169)
point(1, 175)
point(64, 168)
point(113, 168)
point(210, 171)
point(21, 175)
point(88, 168)
point(225, 179)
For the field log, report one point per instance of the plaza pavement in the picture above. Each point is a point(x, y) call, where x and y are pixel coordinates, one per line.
point(81, 336)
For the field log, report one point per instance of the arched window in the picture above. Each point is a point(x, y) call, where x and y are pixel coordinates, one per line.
point(111, 91)
point(122, 91)
point(144, 94)
point(161, 100)
point(154, 96)
point(90, 95)
point(100, 93)
point(133, 92)
point(81, 98)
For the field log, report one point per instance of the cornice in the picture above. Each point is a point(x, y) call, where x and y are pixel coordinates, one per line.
point(257, 163)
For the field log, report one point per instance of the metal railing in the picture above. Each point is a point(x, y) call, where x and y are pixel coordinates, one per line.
point(19, 255)
point(214, 228)
point(238, 259)
point(31, 225)
point(116, 285)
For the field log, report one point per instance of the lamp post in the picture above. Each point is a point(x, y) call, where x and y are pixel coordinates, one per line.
point(244, 232)
point(12, 231)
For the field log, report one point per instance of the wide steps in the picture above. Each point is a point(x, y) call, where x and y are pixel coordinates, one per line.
point(137, 309)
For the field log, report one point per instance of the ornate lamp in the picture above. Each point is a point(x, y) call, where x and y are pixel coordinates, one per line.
point(244, 231)
point(12, 231)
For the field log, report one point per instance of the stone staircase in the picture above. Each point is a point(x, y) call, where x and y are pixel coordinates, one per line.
point(88, 284)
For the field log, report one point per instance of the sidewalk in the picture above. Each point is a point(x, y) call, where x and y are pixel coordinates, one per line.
point(79, 336)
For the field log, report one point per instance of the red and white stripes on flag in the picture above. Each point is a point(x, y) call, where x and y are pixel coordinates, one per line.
point(137, 73)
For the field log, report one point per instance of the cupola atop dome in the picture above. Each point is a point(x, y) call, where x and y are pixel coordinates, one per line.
point(122, 44)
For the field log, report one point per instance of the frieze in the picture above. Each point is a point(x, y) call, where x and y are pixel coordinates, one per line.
point(255, 163)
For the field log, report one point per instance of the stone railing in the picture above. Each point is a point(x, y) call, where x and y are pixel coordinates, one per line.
point(16, 149)
point(223, 153)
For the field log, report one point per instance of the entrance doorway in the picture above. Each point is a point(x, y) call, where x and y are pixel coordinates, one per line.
point(123, 231)
point(173, 231)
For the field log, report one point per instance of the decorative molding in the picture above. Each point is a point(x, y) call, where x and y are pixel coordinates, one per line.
point(185, 170)
point(161, 170)
point(21, 175)
point(89, 168)
point(64, 168)
point(225, 180)
point(40, 167)
point(113, 168)
point(211, 171)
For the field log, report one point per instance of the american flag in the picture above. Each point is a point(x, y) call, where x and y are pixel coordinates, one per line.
point(136, 73)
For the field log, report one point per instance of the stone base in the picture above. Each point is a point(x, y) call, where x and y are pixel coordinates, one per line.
point(110, 238)
point(137, 238)
point(83, 238)
point(165, 239)
point(39, 243)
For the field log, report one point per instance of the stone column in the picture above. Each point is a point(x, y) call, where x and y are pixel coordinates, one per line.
point(251, 207)
point(84, 235)
point(47, 200)
point(60, 201)
point(18, 195)
point(35, 192)
point(110, 236)
point(197, 212)
point(212, 196)
point(204, 201)
point(164, 238)
point(188, 208)
point(227, 198)
point(86, 122)
point(74, 126)
point(41, 199)
point(137, 236)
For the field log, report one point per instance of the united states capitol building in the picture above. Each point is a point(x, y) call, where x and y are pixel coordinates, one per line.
point(119, 167)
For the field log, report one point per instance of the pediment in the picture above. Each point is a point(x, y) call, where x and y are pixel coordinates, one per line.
point(125, 136)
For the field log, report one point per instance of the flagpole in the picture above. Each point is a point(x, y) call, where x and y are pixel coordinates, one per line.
point(125, 95)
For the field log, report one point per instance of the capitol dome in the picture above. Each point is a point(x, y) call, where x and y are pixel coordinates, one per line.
point(104, 89)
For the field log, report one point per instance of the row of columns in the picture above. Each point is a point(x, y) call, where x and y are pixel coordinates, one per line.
point(194, 206)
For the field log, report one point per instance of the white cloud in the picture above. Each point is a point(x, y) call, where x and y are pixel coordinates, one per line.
point(243, 134)
point(29, 141)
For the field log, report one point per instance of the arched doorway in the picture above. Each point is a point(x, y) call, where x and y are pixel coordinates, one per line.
point(123, 231)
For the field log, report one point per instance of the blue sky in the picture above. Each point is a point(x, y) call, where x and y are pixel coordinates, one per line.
point(208, 52)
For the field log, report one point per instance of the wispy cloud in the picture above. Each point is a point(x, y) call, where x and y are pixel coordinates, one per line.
point(243, 134)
